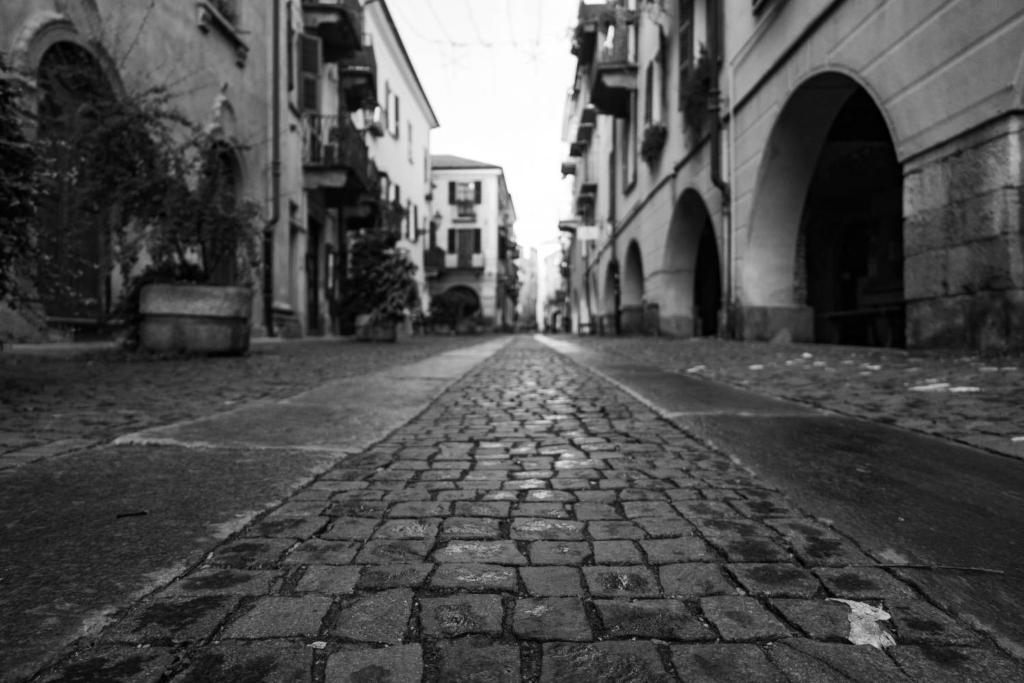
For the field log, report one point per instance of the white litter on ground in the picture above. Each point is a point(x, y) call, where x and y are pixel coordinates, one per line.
point(1017, 439)
point(756, 366)
point(936, 386)
point(964, 390)
point(695, 368)
point(865, 624)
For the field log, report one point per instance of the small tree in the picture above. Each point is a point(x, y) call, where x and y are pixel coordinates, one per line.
point(381, 280)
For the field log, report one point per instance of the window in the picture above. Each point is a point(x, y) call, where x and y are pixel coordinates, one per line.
point(415, 222)
point(310, 58)
point(629, 147)
point(387, 106)
point(408, 137)
point(465, 196)
point(393, 127)
point(464, 241)
point(685, 34)
point(385, 187)
point(410, 224)
point(649, 93)
point(290, 47)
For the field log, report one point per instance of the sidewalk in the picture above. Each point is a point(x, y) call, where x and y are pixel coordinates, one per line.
point(536, 523)
point(955, 395)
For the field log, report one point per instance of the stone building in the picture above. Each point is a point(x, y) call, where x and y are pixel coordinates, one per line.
point(216, 60)
point(818, 170)
point(529, 291)
point(470, 262)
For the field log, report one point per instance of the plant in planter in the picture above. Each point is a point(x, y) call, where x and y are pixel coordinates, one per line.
point(694, 90)
point(380, 287)
point(196, 296)
point(653, 141)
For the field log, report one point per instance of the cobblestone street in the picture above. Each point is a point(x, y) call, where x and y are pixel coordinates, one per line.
point(534, 523)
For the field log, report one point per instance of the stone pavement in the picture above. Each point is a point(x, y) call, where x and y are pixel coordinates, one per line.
point(957, 395)
point(535, 523)
point(54, 405)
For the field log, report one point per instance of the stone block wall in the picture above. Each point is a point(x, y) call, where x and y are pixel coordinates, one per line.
point(963, 244)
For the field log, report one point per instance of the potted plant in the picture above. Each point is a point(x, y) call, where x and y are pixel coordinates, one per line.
point(653, 141)
point(695, 89)
point(380, 287)
point(196, 295)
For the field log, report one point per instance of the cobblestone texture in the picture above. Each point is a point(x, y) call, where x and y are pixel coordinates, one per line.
point(981, 404)
point(653, 560)
point(51, 405)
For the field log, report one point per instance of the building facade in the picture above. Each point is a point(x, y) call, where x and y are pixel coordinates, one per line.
point(529, 290)
point(472, 249)
point(834, 171)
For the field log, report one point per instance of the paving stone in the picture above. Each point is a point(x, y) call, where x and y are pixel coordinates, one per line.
point(351, 529)
point(456, 615)
point(497, 552)
point(395, 663)
point(918, 622)
point(716, 662)
point(415, 529)
point(696, 579)
point(172, 620)
point(612, 530)
point(251, 552)
point(775, 580)
point(549, 496)
point(638, 509)
point(819, 619)
point(373, 509)
point(629, 581)
point(609, 661)
point(863, 583)
point(389, 552)
point(807, 660)
point(675, 550)
point(328, 579)
point(552, 510)
point(497, 496)
point(552, 581)
point(113, 663)
point(482, 509)
point(661, 527)
point(225, 582)
point(476, 660)
point(641, 495)
point(616, 552)
point(943, 663)
point(551, 619)
point(471, 527)
point(280, 617)
point(742, 618)
point(559, 552)
point(595, 496)
point(318, 551)
point(396, 575)
point(474, 577)
point(271, 661)
point(542, 529)
point(705, 509)
point(379, 617)
point(456, 495)
point(589, 511)
point(420, 509)
point(666, 619)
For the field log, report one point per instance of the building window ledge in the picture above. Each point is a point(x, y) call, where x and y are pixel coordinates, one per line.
point(210, 19)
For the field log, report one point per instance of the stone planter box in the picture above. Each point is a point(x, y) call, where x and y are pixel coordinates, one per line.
point(382, 330)
point(202, 319)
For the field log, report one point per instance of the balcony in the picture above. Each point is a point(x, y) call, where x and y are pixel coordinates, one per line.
point(358, 75)
point(338, 23)
point(568, 168)
point(615, 72)
point(584, 37)
point(335, 158)
point(464, 261)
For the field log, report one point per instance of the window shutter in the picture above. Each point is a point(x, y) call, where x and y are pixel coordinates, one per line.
point(476, 239)
point(309, 68)
point(451, 192)
point(451, 241)
point(476, 192)
point(397, 120)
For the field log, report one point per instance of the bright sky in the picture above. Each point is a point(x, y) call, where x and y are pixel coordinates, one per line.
point(496, 73)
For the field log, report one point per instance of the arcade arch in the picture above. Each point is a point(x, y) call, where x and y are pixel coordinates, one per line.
point(632, 302)
point(825, 249)
point(693, 268)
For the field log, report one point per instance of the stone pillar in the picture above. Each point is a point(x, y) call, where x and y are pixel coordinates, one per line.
point(963, 246)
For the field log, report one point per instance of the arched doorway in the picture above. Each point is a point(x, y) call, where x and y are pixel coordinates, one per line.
point(73, 276)
point(632, 305)
point(693, 292)
point(824, 258)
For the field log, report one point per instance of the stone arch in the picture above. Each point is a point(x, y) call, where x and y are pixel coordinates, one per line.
point(632, 304)
point(827, 128)
point(693, 270)
point(610, 298)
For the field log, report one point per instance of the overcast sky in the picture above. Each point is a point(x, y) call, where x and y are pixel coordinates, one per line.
point(496, 73)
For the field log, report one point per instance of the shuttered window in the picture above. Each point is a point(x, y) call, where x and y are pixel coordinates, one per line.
point(310, 53)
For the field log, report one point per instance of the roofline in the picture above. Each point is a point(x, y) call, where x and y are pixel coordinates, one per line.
point(401, 46)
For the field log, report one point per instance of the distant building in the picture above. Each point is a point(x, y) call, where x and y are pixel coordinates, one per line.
point(557, 311)
point(470, 264)
point(528, 292)
point(842, 172)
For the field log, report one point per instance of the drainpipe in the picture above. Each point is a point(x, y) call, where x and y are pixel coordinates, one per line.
point(714, 33)
point(275, 171)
